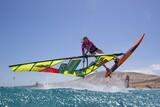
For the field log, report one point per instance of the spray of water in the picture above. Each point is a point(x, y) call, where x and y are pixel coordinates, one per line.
point(94, 82)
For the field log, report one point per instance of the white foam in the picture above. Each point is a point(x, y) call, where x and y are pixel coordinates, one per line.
point(111, 85)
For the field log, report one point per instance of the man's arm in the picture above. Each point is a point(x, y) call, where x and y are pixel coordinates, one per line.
point(83, 51)
point(88, 49)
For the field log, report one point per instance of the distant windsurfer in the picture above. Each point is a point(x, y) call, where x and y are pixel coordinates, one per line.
point(89, 47)
point(127, 81)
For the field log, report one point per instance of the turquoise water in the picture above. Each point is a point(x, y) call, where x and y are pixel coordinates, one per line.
point(23, 97)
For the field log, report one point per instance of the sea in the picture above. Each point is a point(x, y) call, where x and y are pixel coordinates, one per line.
point(68, 97)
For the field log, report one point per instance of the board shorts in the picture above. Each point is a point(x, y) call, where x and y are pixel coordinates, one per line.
point(93, 50)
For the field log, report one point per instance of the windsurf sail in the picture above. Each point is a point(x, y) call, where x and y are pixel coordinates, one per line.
point(67, 66)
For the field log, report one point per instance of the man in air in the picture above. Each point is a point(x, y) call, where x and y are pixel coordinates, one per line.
point(89, 47)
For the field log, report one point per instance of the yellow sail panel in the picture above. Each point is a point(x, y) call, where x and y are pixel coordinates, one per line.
point(56, 62)
point(13, 68)
point(109, 58)
point(35, 66)
point(100, 61)
point(42, 65)
point(90, 69)
point(22, 68)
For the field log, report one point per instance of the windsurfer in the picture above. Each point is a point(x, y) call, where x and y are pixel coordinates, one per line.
point(89, 47)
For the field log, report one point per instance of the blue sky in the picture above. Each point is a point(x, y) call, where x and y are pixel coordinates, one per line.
point(32, 30)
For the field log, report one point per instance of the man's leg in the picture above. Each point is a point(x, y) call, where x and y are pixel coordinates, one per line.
point(99, 51)
point(108, 72)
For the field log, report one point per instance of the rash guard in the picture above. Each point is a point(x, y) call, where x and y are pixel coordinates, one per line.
point(89, 46)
